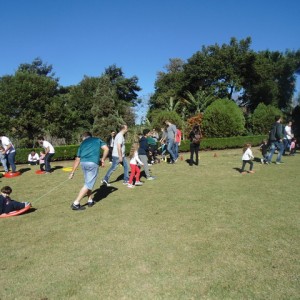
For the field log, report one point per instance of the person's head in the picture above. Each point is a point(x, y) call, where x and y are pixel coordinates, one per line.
point(278, 118)
point(6, 190)
point(146, 132)
point(246, 146)
point(113, 133)
point(86, 135)
point(265, 142)
point(32, 152)
point(290, 123)
point(196, 127)
point(134, 148)
point(167, 122)
point(123, 128)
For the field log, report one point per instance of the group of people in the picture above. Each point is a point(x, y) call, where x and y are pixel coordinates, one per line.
point(88, 156)
point(8, 155)
point(281, 139)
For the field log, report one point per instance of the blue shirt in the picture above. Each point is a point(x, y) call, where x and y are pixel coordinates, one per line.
point(90, 150)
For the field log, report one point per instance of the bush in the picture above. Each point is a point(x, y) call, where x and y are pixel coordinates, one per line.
point(224, 143)
point(223, 118)
point(263, 118)
point(158, 120)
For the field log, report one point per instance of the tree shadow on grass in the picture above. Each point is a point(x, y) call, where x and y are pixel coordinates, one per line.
point(102, 192)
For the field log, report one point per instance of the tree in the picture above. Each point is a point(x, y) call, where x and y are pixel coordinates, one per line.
point(223, 118)
point(24, 98)
point(158, 120)
point(126, 88)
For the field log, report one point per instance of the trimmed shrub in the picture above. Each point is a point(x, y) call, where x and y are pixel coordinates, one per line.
point(224, 143)
point(263, 118)
point(223, 118)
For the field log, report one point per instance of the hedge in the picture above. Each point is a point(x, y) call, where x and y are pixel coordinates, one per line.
point(69, 152)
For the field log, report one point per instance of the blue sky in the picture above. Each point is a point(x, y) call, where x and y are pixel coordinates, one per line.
point(84, 37)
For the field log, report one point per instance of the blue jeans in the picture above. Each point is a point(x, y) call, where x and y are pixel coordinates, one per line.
point(114, 165)
point(47, 161)
point(276, 145)
point(176, 150)
point(11, 160)
point(3, 162)
point(170, 149)
point(90, 173)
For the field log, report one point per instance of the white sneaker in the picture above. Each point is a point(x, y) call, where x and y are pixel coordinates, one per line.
point(130, 186)
point(103, 181)
point(150, 178)
point(138, 183)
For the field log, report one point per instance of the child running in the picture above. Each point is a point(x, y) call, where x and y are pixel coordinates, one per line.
point(264, 147)
point(8, 205)
point(135, 170)
point(247, 158)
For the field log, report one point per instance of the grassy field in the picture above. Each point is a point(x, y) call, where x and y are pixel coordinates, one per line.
point(204, 232)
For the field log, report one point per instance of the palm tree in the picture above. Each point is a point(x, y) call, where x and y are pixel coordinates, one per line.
point(199, 102)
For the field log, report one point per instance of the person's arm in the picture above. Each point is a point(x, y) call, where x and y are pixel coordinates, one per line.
point(7, 149)
point(105, 154)
point(75, 166)
point(119, 148)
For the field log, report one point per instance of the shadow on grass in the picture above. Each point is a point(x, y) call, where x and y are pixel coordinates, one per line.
point(238, 169)
point(57, 167)
point(31, 210)
point(119, 178)
point(103, 192)
point(24, 170)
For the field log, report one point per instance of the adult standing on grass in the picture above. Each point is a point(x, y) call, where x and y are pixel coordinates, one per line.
point(9, 152)
point(88, 156)
point(110, 143)
point(49, 153)
point(143, 153)
point(195, 137)
point(276, 140)
point(171, 133)
point(288, 135)
point(118, 157)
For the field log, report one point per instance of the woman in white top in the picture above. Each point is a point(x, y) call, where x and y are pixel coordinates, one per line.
point(33, 158)
point(247, 158)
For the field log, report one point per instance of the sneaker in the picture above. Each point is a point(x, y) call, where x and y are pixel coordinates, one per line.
point(91, 203)
point(278, 163)
point(138, 183)
point(125, 182)
point(262, 160)
point(77, 207)
point(103, 181)
point(47, 173)
point(130, 186)
point(27, 203)
point(150, 178)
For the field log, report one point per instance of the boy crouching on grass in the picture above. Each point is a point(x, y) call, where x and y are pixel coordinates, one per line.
point(8, 205)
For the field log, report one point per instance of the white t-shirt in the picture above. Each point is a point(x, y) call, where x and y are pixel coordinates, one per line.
point(35, 157)
point(51, 148)
point(288, 132)
point(119, 139)
point(248, 155)
point(135, 160)
point(5, 143)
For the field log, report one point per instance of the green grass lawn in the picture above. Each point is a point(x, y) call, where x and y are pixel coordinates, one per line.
point(204, 232)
